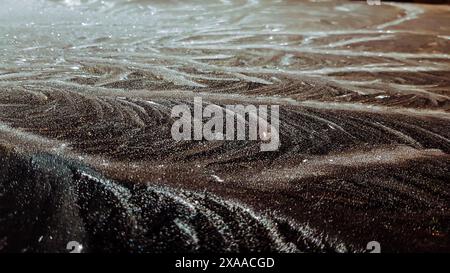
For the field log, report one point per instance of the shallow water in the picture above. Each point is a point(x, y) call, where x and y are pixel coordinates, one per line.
point(86, 89)
point(191, 44)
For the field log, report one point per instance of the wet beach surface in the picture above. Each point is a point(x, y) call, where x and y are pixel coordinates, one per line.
point(86, 152)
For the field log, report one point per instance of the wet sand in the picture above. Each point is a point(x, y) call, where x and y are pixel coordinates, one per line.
point(86, 152)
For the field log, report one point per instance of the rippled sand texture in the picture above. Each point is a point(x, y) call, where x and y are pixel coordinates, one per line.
point(86, 89)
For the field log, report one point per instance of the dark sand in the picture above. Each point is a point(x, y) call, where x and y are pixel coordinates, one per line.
point(86, 152)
